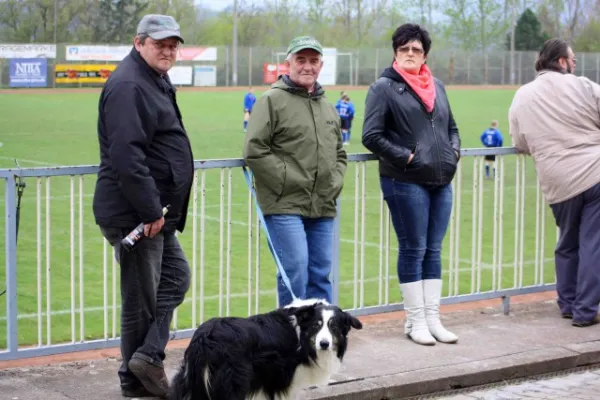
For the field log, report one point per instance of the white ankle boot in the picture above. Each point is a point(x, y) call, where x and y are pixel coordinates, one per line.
point(432, 290)
point(415, 326)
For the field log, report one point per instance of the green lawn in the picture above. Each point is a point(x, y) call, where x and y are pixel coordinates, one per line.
point(59, 129)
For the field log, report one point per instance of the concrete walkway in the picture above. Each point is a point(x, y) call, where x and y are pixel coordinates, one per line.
point(381, 362)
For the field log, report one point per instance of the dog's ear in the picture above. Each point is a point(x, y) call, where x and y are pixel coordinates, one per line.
point(353, 322)
point(304, 313)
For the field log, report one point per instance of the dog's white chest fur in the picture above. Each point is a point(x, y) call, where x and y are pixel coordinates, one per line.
point(305, 377)
point(317, 374)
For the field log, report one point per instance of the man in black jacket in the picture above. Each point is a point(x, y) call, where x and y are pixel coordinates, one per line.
point(146, 163)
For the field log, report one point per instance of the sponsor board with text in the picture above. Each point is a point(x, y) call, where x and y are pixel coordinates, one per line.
point(28, 50)
point(28, 72)
point(83, 73)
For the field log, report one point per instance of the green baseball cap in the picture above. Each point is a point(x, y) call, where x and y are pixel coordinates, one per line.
point(304, 42)
point(159, 27)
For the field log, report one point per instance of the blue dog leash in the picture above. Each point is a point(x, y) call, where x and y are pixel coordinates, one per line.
point(284, 277)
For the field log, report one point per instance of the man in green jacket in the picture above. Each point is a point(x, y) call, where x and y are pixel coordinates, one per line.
point(294, 148)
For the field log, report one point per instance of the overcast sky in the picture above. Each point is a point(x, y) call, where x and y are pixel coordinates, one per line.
point(215, 4)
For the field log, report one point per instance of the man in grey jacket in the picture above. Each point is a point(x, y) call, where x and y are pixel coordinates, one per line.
point(556, 119)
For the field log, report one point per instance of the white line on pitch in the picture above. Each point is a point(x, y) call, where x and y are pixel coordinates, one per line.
point(35, 162)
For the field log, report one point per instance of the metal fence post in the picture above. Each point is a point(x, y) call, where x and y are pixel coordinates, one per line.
point(226, 65)
point(598, 68)
point(376, 64)
point(520, 67)
point(11, 263)
point(335, 259)
point(250, 66)
point(357, 71)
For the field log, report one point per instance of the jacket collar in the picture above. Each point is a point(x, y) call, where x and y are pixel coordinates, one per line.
point(290, 86)
point(162, 80)
point(548, 71)
point(392, 74)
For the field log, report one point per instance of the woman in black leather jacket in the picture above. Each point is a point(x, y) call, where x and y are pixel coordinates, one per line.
point(409, 126)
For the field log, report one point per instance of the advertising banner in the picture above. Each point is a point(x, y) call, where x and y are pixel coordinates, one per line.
point(181, 75)
point(83, 73)
point(205, 75)
point(96, 52)
point(118, 53)
point(272, 71)
point(328, 75)
point(28, 72)
point(197, 54)
point(27, 51)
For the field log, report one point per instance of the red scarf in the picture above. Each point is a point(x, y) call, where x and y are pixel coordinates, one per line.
point(422, 83)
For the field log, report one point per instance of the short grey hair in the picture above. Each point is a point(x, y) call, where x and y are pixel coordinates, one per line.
point(289, 57)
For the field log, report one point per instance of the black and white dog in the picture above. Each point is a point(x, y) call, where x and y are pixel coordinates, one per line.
point(268, 356)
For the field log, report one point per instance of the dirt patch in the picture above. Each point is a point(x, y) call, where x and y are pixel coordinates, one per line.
point(482, 87)
point(213, 89)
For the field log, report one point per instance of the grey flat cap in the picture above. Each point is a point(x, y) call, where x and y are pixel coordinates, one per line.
point(159, 27)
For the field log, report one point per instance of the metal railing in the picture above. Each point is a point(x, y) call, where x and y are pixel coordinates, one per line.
point(62, 279)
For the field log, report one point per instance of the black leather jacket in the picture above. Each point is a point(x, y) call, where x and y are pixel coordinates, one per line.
point(397, 124)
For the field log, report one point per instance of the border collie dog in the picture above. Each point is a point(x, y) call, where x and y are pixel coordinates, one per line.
point(268, 356)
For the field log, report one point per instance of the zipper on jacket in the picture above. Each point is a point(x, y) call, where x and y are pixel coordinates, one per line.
point(310, 100)
point(432, 127)
point(438, 148)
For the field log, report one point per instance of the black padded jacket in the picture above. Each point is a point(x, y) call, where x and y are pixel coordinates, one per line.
point(397, 124)
point(146, 159)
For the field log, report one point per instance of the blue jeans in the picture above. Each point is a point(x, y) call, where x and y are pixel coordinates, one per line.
point(304, 247)
point(420, 215)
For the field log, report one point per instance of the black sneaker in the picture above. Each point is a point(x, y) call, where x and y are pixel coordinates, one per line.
point(584, 324)
point(152, 377)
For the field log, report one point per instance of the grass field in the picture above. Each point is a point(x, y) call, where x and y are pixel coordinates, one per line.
point(54, 128)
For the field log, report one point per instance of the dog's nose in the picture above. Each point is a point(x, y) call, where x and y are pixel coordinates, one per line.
point(324, 344)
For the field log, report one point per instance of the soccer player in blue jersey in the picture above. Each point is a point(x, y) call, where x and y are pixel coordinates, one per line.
point(491, 137)
point(345, 110)
point(351, 105)
point(249, 100)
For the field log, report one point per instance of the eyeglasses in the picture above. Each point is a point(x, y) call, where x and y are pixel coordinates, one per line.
point(407, 49)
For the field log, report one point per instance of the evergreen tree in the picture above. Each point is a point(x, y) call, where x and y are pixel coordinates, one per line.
point(528, 33)
point(117, 20)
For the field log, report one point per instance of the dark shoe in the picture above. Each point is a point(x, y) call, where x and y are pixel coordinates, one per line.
point(139, 391)
point(567, 315)
point(152, 377)
point(584, 324)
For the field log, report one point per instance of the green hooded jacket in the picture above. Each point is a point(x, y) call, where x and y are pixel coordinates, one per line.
point(294, 148)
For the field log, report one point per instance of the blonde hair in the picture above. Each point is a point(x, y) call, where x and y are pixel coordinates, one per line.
point(494, 124)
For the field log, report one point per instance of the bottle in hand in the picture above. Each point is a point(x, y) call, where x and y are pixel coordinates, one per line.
point(129, 241)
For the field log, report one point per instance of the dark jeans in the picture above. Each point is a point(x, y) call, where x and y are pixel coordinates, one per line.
point(304, 247)
point(420, 215)
point(577, 254)
point(154, 279)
